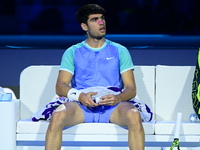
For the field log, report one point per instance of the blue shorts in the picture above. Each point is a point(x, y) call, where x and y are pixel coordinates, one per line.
point(99, 114)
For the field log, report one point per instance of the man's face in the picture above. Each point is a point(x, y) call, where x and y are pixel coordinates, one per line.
point(96, 26)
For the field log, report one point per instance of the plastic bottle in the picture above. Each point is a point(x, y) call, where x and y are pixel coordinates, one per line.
point(193, 118)
point(2, 91)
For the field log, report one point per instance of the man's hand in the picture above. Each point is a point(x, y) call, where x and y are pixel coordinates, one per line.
point(86, 99)
point(109, 100)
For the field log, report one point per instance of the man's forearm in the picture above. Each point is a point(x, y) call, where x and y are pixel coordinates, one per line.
point(62, 89)
point(127, 94)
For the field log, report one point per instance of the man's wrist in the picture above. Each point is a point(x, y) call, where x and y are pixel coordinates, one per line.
point(73, 94)
point(118, 97)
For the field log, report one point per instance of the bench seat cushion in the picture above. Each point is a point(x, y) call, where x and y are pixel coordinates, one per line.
point(168, 128)
point(26, 126)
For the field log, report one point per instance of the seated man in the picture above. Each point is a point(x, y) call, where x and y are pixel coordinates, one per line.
point(95, 62)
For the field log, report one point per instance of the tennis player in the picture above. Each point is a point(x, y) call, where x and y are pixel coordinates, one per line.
point(95, 62)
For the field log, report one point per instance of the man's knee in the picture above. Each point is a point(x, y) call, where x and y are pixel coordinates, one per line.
point(60, 108)
point(133, 117)
point(57, 119)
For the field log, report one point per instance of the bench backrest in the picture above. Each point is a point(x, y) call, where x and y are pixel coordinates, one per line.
point(174, 92)
point(37, 87)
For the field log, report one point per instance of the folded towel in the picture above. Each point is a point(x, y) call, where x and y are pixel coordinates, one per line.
point(46, 112)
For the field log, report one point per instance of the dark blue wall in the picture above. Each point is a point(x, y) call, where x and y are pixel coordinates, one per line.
point(13, 61)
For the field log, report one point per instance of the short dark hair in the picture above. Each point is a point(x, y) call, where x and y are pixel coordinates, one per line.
point(83, 13)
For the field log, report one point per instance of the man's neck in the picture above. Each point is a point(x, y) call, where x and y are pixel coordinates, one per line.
point(95, 43)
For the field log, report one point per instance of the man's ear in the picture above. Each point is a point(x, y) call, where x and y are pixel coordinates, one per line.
point(84, 26)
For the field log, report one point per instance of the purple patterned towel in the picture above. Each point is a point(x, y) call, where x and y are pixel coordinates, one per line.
point(46, 112)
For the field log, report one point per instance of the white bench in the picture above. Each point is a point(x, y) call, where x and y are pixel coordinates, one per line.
point(165, 89)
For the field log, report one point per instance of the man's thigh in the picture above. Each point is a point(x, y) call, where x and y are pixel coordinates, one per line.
point(71, 113)
point(119, 114)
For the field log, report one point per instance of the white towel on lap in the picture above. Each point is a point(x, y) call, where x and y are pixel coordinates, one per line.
point(46, 112)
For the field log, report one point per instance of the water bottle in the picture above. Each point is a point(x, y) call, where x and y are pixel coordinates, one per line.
point(193, 118)
point(5, 96)
point(2, 91)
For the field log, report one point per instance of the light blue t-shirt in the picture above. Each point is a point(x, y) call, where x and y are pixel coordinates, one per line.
point(96, 66)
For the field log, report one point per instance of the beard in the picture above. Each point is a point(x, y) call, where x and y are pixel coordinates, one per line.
point(96, 35)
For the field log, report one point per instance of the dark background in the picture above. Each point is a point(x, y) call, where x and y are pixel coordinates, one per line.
point(123, 16)
point(37, 32)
